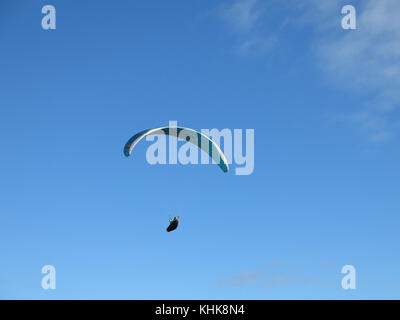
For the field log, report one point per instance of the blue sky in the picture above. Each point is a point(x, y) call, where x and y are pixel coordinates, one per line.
point(323, 102)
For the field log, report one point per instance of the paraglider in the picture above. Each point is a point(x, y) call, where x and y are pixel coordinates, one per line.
point(173, 224)
point(198, 139)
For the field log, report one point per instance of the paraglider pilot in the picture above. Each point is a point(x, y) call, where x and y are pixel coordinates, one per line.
point(173, 224)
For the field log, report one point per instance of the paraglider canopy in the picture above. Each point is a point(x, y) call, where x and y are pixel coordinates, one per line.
point(197, 138)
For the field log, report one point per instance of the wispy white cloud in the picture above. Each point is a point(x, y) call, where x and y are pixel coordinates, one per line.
point(244, 278)
point(373, 123)
point(272, 279)
point(279, 273)
point(242, 15)
point(364, 62)
point(245, 19)
point(258, 45)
